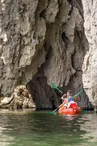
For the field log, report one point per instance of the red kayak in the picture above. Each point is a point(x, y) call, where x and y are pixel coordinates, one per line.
point(72, 110)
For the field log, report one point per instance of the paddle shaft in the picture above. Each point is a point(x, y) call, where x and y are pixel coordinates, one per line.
point(57, 108)
point(54, 86)
point(77, 93)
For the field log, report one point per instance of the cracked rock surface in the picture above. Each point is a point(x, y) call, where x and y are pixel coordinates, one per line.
point(44, 42)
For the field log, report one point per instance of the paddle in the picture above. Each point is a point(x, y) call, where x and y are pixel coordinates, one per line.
point(55, 87)
point(52, 112)
point(78, 93)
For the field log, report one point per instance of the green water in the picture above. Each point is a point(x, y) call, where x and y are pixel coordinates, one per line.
point(44, 129)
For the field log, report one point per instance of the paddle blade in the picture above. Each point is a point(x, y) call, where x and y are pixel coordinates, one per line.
point(55, 87)
point(84, 111)
point(51, 112)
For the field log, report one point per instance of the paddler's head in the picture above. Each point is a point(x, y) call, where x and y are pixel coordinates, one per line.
point(69, 93)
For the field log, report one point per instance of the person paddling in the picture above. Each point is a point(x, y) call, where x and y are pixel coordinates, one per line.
point(64, 101)
point(68, 100)
point(71, 100)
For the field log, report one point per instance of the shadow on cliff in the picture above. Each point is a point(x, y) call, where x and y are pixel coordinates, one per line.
point(43, 95)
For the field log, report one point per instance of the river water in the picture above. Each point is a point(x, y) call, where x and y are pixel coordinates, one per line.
point(45, 129)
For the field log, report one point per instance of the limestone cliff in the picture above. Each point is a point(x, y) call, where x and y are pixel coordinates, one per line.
point(90, 60)
point(43, 42)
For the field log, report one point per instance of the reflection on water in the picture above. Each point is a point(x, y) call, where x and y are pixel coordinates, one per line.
point(43, 129)
point(4, 139)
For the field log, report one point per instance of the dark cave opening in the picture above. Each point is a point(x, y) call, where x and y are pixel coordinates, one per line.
point(43, 95)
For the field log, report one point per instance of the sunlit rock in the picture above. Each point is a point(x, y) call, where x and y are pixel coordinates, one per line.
point(20, 99)
point(90, 59)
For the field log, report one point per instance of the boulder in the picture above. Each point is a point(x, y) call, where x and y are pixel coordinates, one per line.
point(19, 99)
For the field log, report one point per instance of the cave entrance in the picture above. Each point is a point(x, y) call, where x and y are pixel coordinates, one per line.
point(43, 95)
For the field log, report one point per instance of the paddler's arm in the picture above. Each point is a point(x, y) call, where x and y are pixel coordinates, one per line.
point(64, 96)
point(65, 101)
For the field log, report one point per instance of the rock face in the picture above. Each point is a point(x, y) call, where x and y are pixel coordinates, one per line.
point(90, 60)
point(43, 42)
point(20, 99)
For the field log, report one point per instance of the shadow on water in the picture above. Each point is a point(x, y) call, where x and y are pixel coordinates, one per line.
point(41, 129)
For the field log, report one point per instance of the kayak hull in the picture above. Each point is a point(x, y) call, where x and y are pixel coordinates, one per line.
point(70, 111)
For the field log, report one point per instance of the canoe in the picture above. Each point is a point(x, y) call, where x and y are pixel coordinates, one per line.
point(70, 111)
